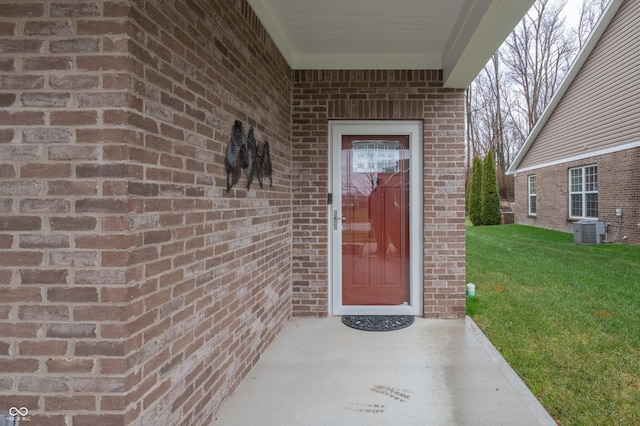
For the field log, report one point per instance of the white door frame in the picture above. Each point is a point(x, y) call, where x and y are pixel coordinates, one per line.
point(413, 129)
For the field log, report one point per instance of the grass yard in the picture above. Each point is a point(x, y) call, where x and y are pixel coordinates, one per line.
point(565, 317)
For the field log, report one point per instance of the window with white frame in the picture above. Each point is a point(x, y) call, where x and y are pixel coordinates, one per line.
point(583, 192)
point(533, 208)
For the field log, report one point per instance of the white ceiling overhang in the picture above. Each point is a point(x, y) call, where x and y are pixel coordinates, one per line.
point(456, 36)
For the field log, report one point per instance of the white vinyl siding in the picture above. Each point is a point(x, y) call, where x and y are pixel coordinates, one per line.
point(533, 208)
point(583, 192)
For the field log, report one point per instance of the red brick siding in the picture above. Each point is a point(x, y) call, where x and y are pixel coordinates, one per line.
point(133, 288)
point(319, 96)
point(618, 187)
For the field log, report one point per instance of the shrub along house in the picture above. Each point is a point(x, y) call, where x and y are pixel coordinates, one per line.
point(134, 288)
point(582, 159)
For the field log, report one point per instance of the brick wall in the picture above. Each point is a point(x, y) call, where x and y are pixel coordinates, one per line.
point(319, 96)
point(133, 288)
point(618, 187)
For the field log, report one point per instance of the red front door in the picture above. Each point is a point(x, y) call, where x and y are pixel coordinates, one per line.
point(375, 223)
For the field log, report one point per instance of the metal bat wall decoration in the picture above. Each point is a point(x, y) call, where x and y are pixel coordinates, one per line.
point(251, 150)
point(245, 154)
point(237, 157)
point(261, 167)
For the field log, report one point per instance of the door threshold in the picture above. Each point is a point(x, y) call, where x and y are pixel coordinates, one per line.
point(376, 310)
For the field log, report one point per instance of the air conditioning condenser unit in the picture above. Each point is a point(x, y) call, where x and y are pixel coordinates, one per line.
point(588, 232)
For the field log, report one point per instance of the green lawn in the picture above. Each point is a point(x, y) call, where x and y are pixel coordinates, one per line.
point(566, 317)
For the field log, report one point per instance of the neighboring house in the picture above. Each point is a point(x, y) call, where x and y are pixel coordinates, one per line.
point(582, 159)
point(134, 288)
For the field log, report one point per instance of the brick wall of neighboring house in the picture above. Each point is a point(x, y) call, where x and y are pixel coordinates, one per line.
point(319, 96)
point(618, 187)
point(133, 289)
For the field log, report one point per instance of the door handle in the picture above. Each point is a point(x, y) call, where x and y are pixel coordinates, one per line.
point(336, 218)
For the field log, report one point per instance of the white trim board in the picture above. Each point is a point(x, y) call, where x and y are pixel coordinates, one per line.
point(590, 154)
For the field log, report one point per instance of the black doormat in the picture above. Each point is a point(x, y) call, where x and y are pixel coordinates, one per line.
point(377, 322)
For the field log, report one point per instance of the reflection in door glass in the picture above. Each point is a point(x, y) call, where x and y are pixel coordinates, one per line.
point(376, 156)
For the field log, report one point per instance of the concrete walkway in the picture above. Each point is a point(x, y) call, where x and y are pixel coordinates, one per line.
point(435, 372)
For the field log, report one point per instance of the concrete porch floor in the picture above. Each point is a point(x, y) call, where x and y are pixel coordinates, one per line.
point(435, 372)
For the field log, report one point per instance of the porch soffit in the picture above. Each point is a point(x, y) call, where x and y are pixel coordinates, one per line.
point(457, 36)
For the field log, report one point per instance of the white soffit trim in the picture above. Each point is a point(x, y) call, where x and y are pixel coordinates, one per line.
point(482, 27)
point(590, 154)
point(365, 62)
point(456, 36)
point(582, 57)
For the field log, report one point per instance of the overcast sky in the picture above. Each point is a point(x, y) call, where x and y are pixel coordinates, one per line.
point(572, 11)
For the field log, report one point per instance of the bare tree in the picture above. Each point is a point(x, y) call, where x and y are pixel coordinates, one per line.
point(489, 117)
point(538, 53)
point(477, 101)
point(590, 12)
point(509, 95)
point(469, 96)
point(496, 141)
point(485, 109)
